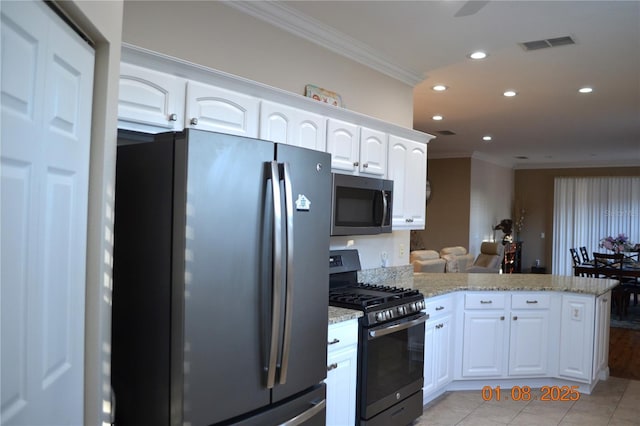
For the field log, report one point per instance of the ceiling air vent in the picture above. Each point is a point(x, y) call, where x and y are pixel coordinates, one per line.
point(445, 132)
point(546, 43)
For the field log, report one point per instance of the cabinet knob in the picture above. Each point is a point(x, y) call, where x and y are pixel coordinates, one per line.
point(356, 164)
point(173, 117)
point(515, 318)
point(194, 121)
point(502, 318)
point(365, 165)
point(332, 366)
point(333, 342)
point(409, 220)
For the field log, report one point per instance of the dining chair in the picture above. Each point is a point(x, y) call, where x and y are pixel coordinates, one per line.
point(575, 257)
point(622, 292)
point(585, 255)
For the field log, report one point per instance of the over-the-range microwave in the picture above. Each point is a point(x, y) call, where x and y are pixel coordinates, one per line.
point(361, 205)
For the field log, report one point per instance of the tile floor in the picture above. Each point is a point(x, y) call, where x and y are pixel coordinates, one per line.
point(613, 402)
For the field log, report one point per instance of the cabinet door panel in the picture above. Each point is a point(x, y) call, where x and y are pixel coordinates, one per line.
point(408, 170)
point(220, 110)
point(150, 98)
point(528, 350)
point(373, 152)
point(484, 334)
point(275, 122)
point(342, 143)
point(576, 337)
point(310, 131)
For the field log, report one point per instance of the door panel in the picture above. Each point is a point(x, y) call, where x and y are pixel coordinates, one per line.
point(224, 306)
point(307, 362)
point(47, 84)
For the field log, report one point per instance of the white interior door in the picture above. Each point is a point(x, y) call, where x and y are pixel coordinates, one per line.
point(46, 98)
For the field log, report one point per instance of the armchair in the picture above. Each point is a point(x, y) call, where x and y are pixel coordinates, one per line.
point(457, 258)
point(489, 259)
point(426, 261)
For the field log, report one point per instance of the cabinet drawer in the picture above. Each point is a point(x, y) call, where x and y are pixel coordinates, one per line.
point(438, 306)
point(484, 301)
point(342, 335)
point(530, 301)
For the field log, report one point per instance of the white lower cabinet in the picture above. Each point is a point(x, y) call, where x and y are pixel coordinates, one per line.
point(342, 369)
point(577, 337)
point(438, 347)
point(603, 320)
point(506, 335)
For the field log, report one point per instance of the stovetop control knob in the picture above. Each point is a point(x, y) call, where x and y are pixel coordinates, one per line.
point(388, 314)
point(380, 316)
point(400, 310)
point(420, 304)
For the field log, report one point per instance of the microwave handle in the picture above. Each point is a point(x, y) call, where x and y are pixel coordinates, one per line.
point(385, 206)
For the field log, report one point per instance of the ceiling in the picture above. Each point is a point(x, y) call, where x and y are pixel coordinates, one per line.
point(548, 123)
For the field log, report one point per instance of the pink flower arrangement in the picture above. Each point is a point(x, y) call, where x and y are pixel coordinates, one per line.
point(618, 244)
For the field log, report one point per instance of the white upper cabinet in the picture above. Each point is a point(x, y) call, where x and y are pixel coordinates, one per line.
point(343, 143)
point(408, 170)
point(284, 124)
point(149, 100)
point(219, 110)
point(373, 152)
point(357, 150)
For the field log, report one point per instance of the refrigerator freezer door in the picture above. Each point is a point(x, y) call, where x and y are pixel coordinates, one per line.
point(308, 269)
point(224, 302)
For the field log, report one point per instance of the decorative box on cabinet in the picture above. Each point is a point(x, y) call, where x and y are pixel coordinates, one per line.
point(356, 150)
point(512, 261)
point(342, 369)
point(408, 170)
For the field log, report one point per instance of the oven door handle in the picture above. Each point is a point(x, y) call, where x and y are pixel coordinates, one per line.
point(373, 334)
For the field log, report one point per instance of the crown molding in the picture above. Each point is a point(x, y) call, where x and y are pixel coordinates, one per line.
point(291, 20)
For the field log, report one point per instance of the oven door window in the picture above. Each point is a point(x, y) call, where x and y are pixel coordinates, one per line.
point(358, 207)
point(393, 361)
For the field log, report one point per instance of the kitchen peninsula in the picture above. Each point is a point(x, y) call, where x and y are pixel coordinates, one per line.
point(512, 331)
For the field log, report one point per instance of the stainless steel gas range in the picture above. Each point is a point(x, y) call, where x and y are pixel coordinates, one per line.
point(390, 345)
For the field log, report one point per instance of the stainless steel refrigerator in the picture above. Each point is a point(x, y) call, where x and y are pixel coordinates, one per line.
point(220, 281)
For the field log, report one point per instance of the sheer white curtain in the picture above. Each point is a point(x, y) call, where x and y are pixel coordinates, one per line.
point(585, 210)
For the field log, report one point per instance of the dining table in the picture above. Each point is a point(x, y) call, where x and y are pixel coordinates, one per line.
point(629, 269)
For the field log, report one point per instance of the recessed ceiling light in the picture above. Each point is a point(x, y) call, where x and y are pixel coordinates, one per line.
point(585, 90)
point(486, 138)
point(478, 55)
point(439, 87)
point(437, 117)
point(510, 93)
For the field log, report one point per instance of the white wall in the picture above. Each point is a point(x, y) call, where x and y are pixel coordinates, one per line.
point(102, 21)
point(220, 37)
point(491, 195)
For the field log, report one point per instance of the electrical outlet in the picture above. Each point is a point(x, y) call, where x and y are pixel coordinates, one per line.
point(401, 249)
point(542, 235)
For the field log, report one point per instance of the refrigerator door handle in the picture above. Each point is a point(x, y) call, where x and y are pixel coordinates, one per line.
point(277, 275)
point(306, 415)
point(288, 195)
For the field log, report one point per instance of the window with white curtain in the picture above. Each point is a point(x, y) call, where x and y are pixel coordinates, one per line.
point(586, 210)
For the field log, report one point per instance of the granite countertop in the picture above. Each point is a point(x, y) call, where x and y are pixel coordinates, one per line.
point(340, 314)
point(434, 284)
